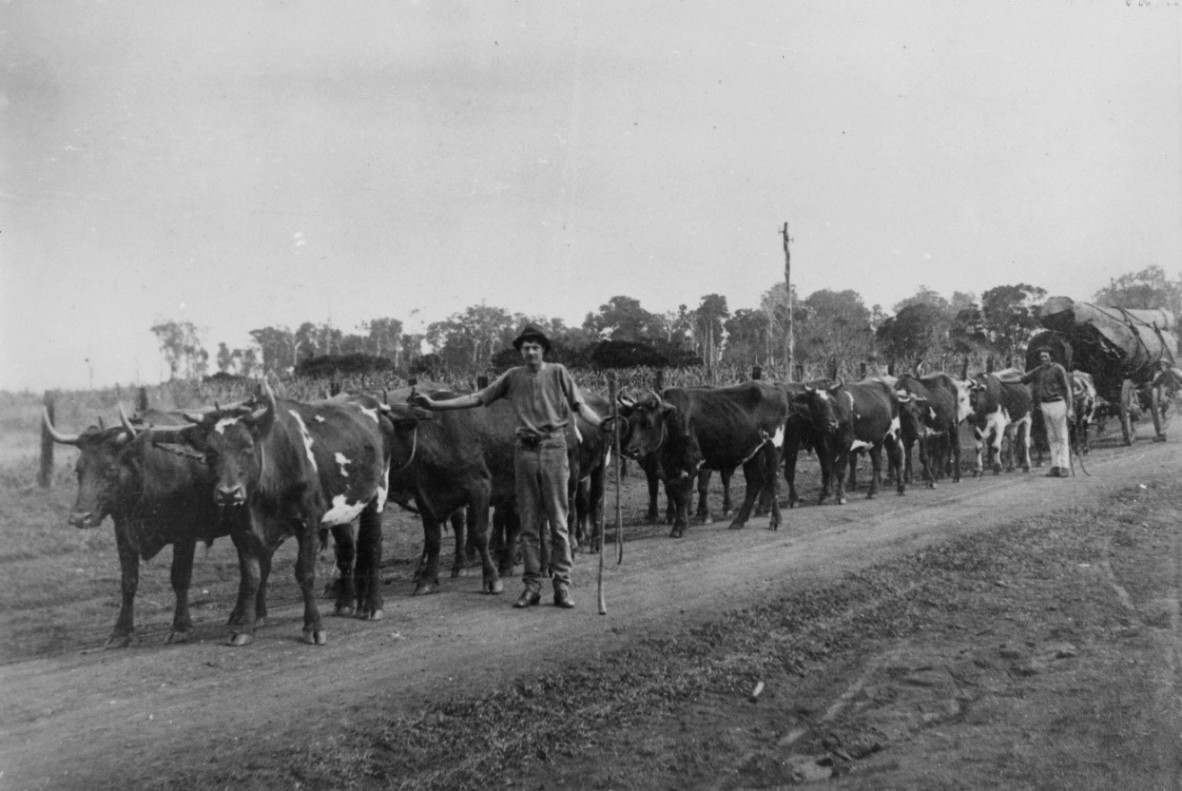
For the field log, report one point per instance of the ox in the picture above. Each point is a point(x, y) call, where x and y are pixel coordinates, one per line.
point(850, 417)
point(297, 468)
point(799, 432)
point(154, 499)
point(930, 414)
point(1001, 411)
point(1083, 392)
point(445, 461)
point(588, 473)
point(719, 428)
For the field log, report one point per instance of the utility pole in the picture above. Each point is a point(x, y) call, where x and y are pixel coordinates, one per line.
point(788, 287)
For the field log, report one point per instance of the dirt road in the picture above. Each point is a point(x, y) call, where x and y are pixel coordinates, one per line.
point(125, 718)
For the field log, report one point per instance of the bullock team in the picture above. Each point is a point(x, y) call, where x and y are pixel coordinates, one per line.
point(270, 468)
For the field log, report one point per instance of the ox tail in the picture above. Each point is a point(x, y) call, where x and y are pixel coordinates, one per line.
point(323, 539)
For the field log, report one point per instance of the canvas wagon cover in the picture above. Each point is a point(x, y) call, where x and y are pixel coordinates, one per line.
point(1113, 344)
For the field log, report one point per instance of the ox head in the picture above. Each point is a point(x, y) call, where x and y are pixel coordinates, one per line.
point(98, 470)
point(819, 406)
point(644, 424)
point(229, 440)
point(915, 411)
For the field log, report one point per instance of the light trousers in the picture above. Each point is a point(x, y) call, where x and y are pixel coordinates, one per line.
point(543, 474)
point(1054, 417)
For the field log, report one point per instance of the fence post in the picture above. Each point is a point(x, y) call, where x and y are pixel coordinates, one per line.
point(334, 388)
point(481, 382)
point(660, 383)
point(798, 373)
point(756, 373)
point(861, 370)
point(45, 475)
point(141, 403)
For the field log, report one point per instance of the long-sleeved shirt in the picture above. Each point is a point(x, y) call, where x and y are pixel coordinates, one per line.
point(1048, 382)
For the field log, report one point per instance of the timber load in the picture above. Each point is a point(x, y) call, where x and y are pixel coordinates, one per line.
point(1113, 343)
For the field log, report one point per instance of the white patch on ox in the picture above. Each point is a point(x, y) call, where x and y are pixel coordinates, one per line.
point(343, 462)
point(371, 413)
point(893, 431)
point(306, 436)
point(383, 488)
point(578, 435)
point(342, 512)
point(858, 445)
point(778, 437)
point(221, 426)
point(320, 419)
point(607, 459)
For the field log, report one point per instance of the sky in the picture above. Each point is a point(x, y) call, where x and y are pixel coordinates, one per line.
point(242, 165)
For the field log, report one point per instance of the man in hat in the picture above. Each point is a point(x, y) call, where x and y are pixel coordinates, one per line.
point(544, 398)
point(1051, 391)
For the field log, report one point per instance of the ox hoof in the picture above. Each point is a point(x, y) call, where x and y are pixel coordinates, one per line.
point(774, 526)
point(371, 615)
point(842, 500)
point(676, 533)
point(460, 572)
point(737, 526)
point(344, 610)
point(423, 588)
point(118, 641)
point(316, 637)
point(240, 639)
point(179, 636)
point(494, 587)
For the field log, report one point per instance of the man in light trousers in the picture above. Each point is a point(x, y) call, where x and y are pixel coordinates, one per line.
point(1051, 390)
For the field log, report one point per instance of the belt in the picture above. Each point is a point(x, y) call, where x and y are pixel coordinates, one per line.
point(1051, 400)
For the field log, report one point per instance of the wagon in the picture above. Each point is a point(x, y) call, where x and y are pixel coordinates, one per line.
point(1122, 349)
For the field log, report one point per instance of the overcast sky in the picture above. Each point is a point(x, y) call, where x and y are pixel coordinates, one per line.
point(240, 165)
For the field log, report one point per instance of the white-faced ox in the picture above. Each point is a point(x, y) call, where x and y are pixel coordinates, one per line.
point(720, 428)
point(930, 415)
point(297, 468)
point(849, 417)
point(155, 499)
point(1083, 391)
point(1001, 413)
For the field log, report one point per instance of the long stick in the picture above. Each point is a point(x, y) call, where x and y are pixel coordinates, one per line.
point(616, 466)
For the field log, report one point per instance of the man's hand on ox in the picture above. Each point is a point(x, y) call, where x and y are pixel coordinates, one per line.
point(420, 400)
point(607, 425)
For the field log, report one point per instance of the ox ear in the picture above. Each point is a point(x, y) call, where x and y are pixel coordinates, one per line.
point(840, 384)
point(64, 439)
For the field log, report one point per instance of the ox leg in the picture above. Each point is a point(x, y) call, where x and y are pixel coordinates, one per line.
point(369, 564)
point(753, 473)
point(478, 528)
point(129, 580)
point(305, 574)
point(181, 575)
point(427, 577)
point(1022, 438)
point(770, 485)
point(346, 584)
point(927, 460)
point(727, 506)
point(841, 459)
point(875, 454)
point(703, 513)
point(679, 491)
point(894, 451)
point(653, 514)
point(594, 508)
point(790, 452)
point(460, 522)
point(242, 619)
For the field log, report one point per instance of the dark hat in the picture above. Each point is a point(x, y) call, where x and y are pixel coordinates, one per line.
point(531, 332)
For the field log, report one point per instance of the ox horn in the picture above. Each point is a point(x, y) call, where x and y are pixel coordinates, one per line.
point(126, 422)
point(64, 439)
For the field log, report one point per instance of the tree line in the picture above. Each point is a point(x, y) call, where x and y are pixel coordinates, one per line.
point(834, 332)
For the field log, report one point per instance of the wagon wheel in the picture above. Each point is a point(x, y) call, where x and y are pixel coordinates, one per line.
point(1128, 408)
